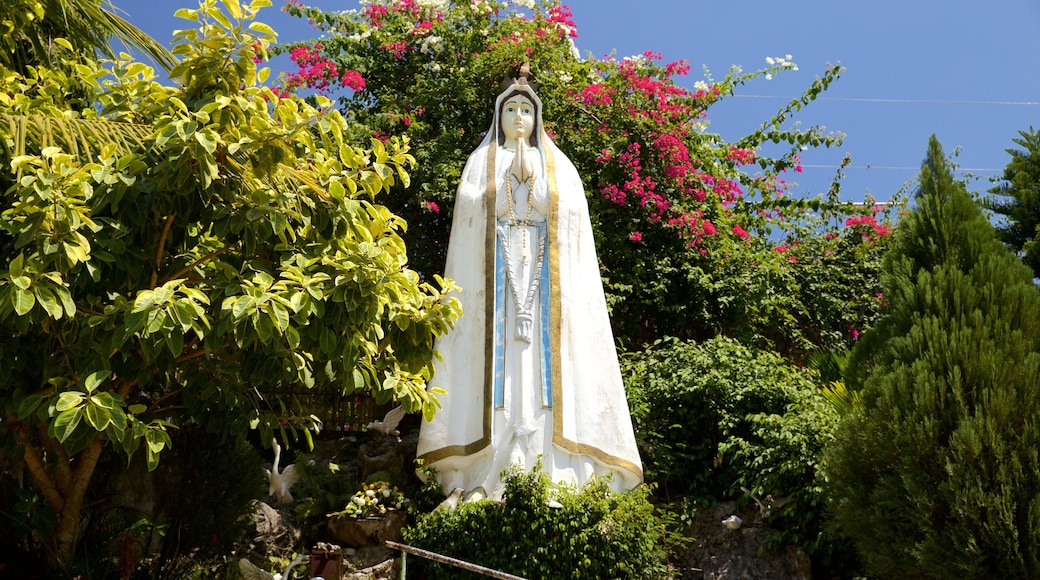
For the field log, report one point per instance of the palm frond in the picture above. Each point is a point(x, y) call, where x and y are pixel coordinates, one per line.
point(79, 137)
point(841, 398)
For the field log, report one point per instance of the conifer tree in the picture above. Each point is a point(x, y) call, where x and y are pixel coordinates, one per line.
point(936, 475)
point(1018, 199)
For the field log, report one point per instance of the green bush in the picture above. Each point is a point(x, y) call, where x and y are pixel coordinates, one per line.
point(715, 417)
point(596, 534)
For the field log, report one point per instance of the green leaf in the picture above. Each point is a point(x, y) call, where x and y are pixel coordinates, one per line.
point(66, 300)
point(94, 379)
point(23, 301)
point(68, 400)
point(279, 316)
point(208, 140)
point(28, 405)
point(16, 266)
point(155, 439)
point(22, 282)
point(66, 422)
point(261, 28)
point(48, 301)
point(145, 299)
point(98, 417)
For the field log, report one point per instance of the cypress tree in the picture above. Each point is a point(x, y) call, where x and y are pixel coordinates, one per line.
point(936, 474)
point(1017, 198)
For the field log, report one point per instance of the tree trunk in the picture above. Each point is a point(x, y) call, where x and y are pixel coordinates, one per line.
point(63, 482)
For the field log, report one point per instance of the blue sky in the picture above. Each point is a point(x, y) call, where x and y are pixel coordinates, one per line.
point(964, 70)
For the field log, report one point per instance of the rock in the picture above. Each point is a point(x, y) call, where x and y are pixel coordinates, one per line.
point(359, 533)
point(276, 534)
point(720, 552)
point(384, 454)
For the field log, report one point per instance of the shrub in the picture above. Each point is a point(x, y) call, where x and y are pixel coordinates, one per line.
point(716, 418)
point(597, 533)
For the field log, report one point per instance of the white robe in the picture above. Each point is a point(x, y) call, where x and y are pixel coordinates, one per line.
point(558, 398)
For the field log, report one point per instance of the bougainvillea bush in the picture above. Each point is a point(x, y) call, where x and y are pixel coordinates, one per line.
point(677, 210)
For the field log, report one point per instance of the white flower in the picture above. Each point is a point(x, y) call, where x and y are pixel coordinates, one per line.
point(573, 47)
point(701, 86)
point(769, 77)
point(370, 492)
point(769, 60)
point(386, 492)
point(359, 500)
point(529, 4)
point(566, 78)
point(433, 5)
point(431, 43)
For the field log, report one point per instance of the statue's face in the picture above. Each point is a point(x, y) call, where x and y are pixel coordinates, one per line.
point(518, 117)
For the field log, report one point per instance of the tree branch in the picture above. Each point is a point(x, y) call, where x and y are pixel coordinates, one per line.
point(62, 473)
point(37, 469)
point(161, 249)
point(205, 258)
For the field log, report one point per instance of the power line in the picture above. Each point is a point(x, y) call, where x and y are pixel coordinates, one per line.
point(903, 101)
point(898, 168)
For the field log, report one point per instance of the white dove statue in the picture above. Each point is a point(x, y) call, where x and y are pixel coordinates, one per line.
point(388, 426)
point(279, 483)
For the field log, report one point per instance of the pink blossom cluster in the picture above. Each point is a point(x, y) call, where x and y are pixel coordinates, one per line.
point(560, 14)
point(317, 72)
point(741, 156)
point(398, 48)
point(694, 226)
point(597, 95)
point(665, 111)
point(431, 206)
point(376, 14)
point(872, 229)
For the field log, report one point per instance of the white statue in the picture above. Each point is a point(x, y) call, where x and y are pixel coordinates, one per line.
point(280, 482)
point(530, 370)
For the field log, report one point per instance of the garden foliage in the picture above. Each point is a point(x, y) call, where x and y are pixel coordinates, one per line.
point(716, 417)
point(936, 474)
point(596, 533)
point(195, 253)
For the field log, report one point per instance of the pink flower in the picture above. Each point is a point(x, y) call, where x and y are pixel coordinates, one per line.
point(636, 236)
point(431, 206)
point(741, 232)
point(353, 79)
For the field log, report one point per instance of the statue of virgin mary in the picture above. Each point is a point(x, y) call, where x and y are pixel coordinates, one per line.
point(530, 371)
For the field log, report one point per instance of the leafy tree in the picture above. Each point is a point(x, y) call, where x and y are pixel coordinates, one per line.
point(936, 473)
point(191, 254)
point(1018, 199)
point(687, 224)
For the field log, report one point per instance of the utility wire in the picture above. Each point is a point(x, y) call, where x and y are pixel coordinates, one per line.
point(905, 101)
point(897, 168)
